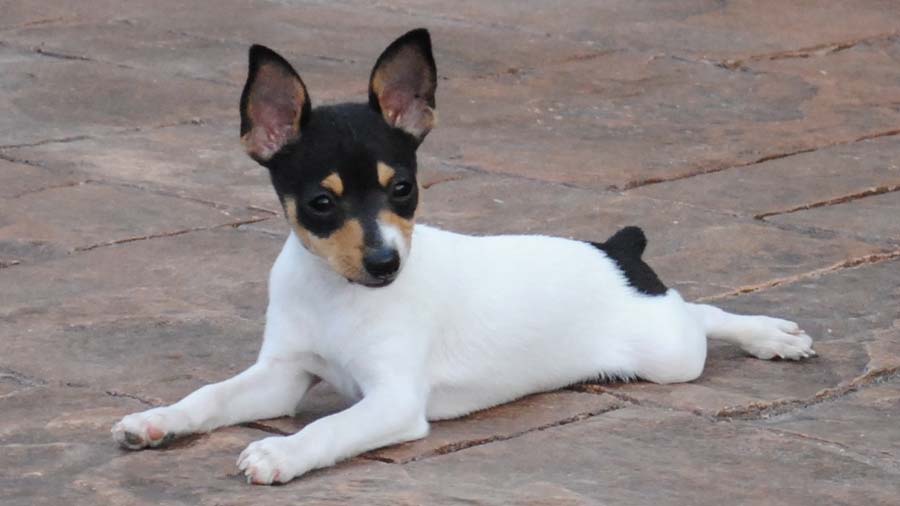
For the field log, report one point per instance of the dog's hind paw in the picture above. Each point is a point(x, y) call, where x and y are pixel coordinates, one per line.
point(149, 428)
point(777, 338)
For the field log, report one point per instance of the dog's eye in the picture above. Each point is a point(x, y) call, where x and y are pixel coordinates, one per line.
point(322, 204)
point(401, 190)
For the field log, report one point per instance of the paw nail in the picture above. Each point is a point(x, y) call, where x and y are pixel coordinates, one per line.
point(133, 439)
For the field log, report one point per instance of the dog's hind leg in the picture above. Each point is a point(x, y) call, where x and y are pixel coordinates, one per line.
point(268, 389)
point(761, 336)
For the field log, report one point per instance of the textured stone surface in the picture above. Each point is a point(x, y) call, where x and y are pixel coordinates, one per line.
point(860, 218)
point(862, 423)
point(704, 28)
point(18, 180)
point(52, 98)
point(623, 119)
point(81, 217)
point(784, 184)
point(755, 142)
point(646, 456)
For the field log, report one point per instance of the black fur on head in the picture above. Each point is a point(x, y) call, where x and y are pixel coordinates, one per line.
point(346, 173)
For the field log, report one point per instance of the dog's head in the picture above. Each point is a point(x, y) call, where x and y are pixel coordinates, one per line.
point(345, 174)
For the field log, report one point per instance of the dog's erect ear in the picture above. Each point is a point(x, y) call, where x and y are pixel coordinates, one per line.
point(274, 104)
point(403, 83)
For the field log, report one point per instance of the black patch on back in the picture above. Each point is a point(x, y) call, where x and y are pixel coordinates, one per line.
point(625, 248)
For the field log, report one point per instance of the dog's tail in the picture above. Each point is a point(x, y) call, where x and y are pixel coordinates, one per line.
point(625, 248)
point(629, 242)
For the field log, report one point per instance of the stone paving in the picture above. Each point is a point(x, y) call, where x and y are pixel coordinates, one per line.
point(756, 141)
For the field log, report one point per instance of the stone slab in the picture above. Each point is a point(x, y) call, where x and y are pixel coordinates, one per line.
point(644, 456)
point(168, 53)
point(18, 179)
point(790, 183)
point(157, 360)
point(535, 412)
point(864, 422)
point(700, 28)
point(356, 34)
point(625, 119)
point(122, 319)
point(62, 220)
point(95, 98)
point(203, 161)
point(863, 218)
point(48, 433)
point(855, 332)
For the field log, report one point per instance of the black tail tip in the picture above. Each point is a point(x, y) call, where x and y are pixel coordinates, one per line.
point(630, 240)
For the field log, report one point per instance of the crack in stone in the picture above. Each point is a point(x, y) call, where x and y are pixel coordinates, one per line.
point(878, 190)
point(442, 180)
point(801, 435)
point(886, 462)
point(111, 133)
point(7, 374)
point(241, 42)
point(631, 185)
point(806, 52)
point(61, 56)
point(262, 426)
point(234, 224)
point(463, 445)
point(175, 194)
point(57, 55)
point(116, 393)
point(61, 140)
point(764, 410)
point(850, 263)
point(24, 161)
point(39, 22)
point(47, 188)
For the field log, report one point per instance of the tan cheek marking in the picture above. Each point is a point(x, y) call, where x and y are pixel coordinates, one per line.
point(343, 249)
point(385, 173)
point(403, 225)
point(334, 183)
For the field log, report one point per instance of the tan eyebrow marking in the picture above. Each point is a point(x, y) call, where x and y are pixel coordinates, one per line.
point(334, 183)
point(385, 173)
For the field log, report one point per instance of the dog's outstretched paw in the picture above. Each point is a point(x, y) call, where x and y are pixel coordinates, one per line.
point(777, 338)
point(271, 460)
point(149, 428)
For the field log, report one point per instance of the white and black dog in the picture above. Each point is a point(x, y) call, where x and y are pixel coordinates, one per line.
point(417, 323)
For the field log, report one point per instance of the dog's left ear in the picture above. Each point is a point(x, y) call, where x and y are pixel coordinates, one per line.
point(403, 83)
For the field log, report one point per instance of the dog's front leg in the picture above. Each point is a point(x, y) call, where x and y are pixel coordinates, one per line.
point(268, 389)
point(391, 413)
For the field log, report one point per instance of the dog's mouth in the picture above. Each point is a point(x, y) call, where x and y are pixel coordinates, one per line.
point(374, 282)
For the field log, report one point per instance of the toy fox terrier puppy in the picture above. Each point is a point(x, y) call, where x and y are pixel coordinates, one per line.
point(417, 323)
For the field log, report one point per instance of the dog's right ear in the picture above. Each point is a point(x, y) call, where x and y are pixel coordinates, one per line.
point(274, 104)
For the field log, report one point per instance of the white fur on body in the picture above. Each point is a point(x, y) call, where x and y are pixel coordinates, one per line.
point(471, 322)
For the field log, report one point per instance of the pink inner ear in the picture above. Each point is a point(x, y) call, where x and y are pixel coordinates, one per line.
point(394, 102)
point(273, 127)
point(403, 110)
point(274, 108)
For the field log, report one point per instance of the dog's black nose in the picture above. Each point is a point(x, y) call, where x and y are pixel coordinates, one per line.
point(382, 262)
